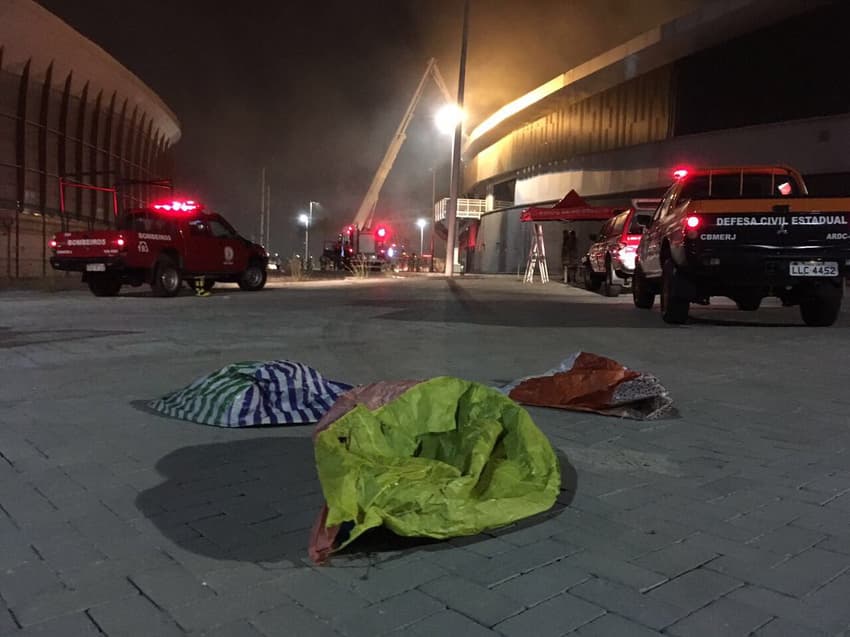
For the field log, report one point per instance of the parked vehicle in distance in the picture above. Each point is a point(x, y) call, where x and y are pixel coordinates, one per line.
point(745, 233)
point(163, 245)
point(610, 261)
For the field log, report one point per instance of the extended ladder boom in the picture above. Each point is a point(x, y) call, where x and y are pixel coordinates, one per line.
point(363, 219)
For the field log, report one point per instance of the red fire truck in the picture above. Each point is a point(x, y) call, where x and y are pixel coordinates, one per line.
point(163, 245)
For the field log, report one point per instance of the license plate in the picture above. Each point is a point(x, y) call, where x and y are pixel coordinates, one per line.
point(95, 267)
point(814, 268)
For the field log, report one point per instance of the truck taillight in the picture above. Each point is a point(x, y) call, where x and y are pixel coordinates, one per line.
point(692, 224)
point(54, 244)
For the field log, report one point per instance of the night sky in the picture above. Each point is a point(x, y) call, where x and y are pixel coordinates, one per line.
point(315, 90)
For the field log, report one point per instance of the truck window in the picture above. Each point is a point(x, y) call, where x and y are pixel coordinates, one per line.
point(221, 230)
point(752, 185)
point(638, 222)
point(199, 228)
point(164, 226)
point(619, 224)
point(665, 204)
point(138, 222)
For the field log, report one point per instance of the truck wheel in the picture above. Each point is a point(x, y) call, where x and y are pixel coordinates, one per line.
point(821, 309)
point(642, 294)
point(104, 284)
point(592, 281)
point(253, 278)
point(673, 310)
point(611, 288)
point(166, 278)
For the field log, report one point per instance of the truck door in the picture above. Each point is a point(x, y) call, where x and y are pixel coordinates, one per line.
point(650, 246)
point(202, 253)
point(232, 252)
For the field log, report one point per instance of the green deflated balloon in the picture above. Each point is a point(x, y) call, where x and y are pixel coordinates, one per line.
point(447, 458)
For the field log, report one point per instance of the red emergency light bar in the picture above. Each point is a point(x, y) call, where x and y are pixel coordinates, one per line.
point(178, 206)
point(680, 174)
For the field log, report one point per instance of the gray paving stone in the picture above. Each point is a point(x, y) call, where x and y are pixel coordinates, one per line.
point(171, 586)
point(28, 580)
point(525, 535)
point(788, 540)
point(68, 556)
point(240, 628)
point(313, 590)
point(728, 485)
point(695, 589)
point(723, 617)
point(102, 524)
point(779, 627)
point(629, 603)
point(15, 550)
point(212, 612)
point(447, 623)
point(380, 583)
point(616, 570)
point(836, 544)
point(832, 598)
point(788, 608)
point(485, 606)
point(543, 583)
point(236, 577)
point(676, 559)
point(794, 576)
point(610, 625)
point(519, 561)
point(7, 623)
point(56, 603)
point(290, 620)
point(76, 625)
point(552, 618)
point(386, 616)
point(133, 617)
point(490, 548)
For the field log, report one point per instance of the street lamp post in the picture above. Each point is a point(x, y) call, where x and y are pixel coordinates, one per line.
point(454, 187)
point(421, 223)
point(307, 220)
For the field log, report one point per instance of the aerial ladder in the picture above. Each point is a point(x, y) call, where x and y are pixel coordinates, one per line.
point(366, 212)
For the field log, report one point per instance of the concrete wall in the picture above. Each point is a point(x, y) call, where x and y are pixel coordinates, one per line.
point(504, 242)
point(813, 146)
point(24, 252)
point(69, 111)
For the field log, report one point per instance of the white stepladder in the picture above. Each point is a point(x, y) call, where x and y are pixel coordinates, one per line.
point(537, 257)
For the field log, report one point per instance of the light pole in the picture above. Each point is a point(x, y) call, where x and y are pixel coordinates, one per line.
point(307, 220)
point(454, 187)
point(421, 223)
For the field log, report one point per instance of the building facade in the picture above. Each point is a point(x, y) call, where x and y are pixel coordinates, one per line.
point(737, 82)
point(69, 114)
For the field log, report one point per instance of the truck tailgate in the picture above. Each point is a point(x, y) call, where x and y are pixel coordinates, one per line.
point(89, 245)
point(803, 223)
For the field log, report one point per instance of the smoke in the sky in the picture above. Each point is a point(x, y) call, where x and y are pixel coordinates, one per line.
point(315, 90)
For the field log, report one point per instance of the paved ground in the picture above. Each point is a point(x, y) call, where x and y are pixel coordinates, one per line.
point(732, 519)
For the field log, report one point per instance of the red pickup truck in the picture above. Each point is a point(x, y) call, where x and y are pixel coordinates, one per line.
point(163, 245)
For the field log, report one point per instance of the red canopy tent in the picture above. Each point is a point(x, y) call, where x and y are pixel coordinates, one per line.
point(570, 208)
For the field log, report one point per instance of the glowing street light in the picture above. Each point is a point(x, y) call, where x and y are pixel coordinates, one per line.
point(421, 223)
point(307, 220)
point(448, 117)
